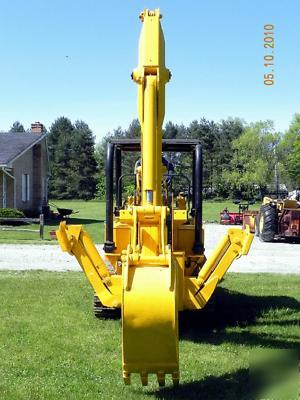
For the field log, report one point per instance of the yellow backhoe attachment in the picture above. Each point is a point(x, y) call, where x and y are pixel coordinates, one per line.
point(154, 264)
point(150, 296)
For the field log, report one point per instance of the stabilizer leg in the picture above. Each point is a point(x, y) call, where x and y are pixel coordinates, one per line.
point(199, 290)
point(77, 242)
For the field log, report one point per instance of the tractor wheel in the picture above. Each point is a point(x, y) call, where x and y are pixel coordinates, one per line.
point(267, 225)
point(103, 312)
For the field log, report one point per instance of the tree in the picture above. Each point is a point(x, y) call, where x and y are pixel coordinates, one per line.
point(215, 138)
point(287, 153)
point(253, 160)
point(207, 133)
point(293, 164)
point(17, 127)
point(237, 158)
point(100, 156)
point(174, 131)
point(134, 129)
point(60, 149)
point(72, 161)
point(170, 131)
point(84, 161)
point(129, 158)
point(228, 131)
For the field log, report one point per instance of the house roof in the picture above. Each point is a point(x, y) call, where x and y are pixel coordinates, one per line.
point(13, 144)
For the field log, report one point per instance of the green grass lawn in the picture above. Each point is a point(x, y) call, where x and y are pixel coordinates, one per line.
point(52, 347)
point(91, 214)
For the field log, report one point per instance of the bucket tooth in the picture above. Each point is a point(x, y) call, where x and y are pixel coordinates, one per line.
point(126, 378)
point(144, 378)
point(175, 378)
point(161, 378)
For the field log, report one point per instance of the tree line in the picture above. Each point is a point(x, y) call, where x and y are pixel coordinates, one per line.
point(240, 160)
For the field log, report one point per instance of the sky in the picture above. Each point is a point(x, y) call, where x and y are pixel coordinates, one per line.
point(74, 58)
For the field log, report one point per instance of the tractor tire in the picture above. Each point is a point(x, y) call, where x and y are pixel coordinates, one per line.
point(104, 312)
point(267, 225)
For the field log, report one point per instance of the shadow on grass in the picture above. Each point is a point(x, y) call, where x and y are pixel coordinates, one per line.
point(237, 385)
point(234, 309)
point(231, 386)
point(231, 309)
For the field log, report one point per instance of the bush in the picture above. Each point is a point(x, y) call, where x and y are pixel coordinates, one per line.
point(101, 188)
point(11, 213)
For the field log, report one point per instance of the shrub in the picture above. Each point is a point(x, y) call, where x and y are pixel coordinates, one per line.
point(11, 213)
point(100, 194)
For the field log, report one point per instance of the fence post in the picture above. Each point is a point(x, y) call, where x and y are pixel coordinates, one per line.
point(42, 226)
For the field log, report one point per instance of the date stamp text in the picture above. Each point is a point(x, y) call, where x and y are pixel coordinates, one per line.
point(269, 60)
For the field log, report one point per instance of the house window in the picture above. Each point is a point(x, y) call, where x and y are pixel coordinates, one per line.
point(25, 187)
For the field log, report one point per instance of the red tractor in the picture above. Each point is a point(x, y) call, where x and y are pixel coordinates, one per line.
point(236, 218)
point(278, 219)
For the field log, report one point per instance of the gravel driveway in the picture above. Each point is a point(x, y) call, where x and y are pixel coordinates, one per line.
point(281, 257)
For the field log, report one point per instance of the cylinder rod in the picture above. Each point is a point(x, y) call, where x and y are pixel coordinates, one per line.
point(118, 173)
point(151, 146)
point(198, 244)
point(109, 170)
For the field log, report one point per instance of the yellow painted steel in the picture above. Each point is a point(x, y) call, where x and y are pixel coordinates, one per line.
point(151, 75)
point(150, 323)
point(146, 277)
point(77, 242)
point(198, 290)
point(281, 203)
